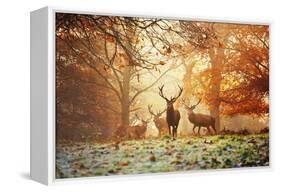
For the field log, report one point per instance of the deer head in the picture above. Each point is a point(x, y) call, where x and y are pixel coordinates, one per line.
point(190, 108)
point(156, 115)
point(172, 100)
point(144, 121)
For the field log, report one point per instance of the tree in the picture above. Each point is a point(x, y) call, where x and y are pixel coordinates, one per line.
point(236, 74)
point(205, 38)
point(79, 106)
point(225, 64)
point(118, 44)
point(247, 72)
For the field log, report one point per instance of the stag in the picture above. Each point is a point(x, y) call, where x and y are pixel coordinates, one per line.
point(172, 115)
point(138, 131)
point(159, 122)
point(199, 120)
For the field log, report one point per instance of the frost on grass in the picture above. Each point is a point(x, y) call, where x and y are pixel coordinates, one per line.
point(161, 155)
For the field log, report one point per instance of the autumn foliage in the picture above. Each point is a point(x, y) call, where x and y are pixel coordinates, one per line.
point(105, 64)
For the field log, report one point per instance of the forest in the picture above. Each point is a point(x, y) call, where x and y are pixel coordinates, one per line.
point(144, 95)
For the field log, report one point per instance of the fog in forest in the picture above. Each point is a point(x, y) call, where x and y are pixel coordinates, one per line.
point(109, 71)
point(148, 95)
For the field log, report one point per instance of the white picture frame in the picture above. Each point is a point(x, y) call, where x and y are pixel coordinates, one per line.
point(42, 145)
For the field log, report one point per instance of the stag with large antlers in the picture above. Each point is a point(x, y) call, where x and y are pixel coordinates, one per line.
point(172, 115)
point(199, 120)
point(159, 121)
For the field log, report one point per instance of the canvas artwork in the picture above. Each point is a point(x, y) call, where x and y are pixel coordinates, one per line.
point(141, 95)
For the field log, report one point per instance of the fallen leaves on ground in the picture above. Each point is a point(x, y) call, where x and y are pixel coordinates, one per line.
point(161, 155)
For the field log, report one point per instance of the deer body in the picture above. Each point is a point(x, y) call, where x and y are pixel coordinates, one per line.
point(136, 132)
point(172, 115)
point(173, 118)
point(161, 125)
point(159, 121)
point(200, 120)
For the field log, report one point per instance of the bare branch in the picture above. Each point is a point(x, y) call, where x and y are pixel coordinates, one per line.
point(152, 84)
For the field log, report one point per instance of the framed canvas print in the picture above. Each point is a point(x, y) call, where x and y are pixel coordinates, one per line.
point(120, 94)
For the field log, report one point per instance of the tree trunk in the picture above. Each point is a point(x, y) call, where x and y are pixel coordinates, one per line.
point(125, 108)
point(187, 80)
point(215, 112)
point(216, 56)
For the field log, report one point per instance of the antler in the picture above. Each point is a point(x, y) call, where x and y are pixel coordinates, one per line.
point(193, 106)
point(161, 93)
point(150, 110)
point(183, 102)
point(175, 98)
point(161, 112)
point(142, 120)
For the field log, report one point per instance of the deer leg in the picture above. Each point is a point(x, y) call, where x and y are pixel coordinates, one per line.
point(169, 130)
point(175, 131)
point(209, 130)
point(199, 130)
point(194, 126)
point(213, 127)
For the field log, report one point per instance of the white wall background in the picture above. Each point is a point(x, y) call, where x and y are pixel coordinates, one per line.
point(14, 94)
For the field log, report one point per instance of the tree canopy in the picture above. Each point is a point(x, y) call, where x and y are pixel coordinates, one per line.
point(105, 64)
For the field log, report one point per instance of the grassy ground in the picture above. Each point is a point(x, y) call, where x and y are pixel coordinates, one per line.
point(161, 155)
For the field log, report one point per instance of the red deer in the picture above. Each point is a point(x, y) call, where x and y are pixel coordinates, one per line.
point(172, 115)
point(159, 122)
point(137, 131)
point(199, 120)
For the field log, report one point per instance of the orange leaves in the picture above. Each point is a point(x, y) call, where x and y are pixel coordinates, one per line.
point(110, 38)
point(249, 107)
point(83, 54)
point(152, 157)
point(123, 164)
point(105, 68)
point(97, 34)
point(121, 66)
point(248, 72)
point(136, 40)
point(123, 56)
point(98, 46)
point(85, 21)
point(221, 45)
point(167, 51)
